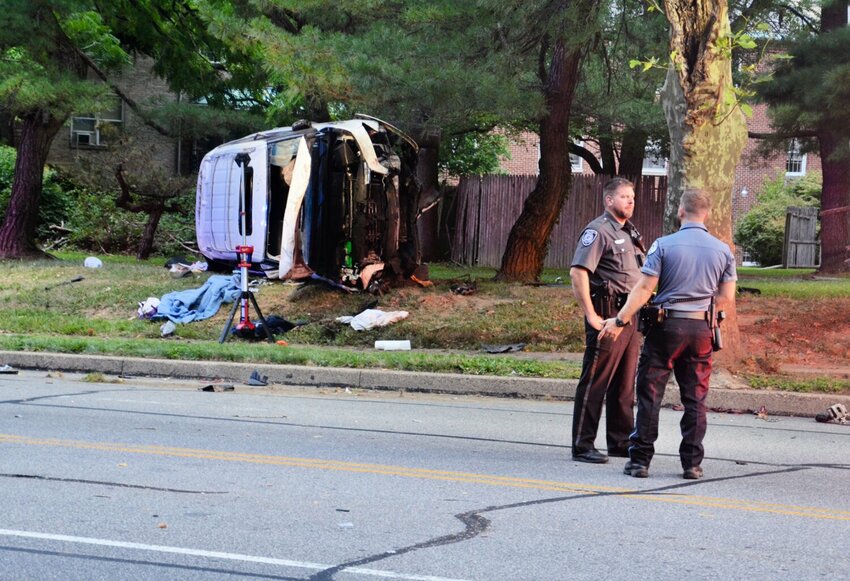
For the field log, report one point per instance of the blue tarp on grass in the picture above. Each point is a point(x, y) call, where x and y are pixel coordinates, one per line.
point(200, 303)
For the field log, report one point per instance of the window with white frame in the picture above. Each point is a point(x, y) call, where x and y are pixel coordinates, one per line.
point(653, 163)
point(576, 162)
point(795, 162)
point(90, 129)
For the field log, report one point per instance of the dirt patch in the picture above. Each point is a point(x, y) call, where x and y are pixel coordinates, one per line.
point(796, 337)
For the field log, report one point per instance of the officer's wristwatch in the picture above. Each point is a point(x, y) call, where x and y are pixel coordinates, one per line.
point(620, 322)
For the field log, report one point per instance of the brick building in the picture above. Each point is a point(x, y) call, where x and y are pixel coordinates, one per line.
point(752, 172)
point(88, 134)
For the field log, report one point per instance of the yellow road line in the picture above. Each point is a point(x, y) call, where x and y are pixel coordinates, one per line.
point(466, 477)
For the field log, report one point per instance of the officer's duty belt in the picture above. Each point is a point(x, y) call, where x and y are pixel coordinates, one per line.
point(697, 315)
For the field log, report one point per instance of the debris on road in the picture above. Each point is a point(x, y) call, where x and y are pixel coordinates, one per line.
point(257, 380)
point(512, 348)
point(836, 413)
point(217, 388)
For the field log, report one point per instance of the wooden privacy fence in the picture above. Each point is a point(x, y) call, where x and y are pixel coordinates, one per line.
point(801, 248)
point(487, 207)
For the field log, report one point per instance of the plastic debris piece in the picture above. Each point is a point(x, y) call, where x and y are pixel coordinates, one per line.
point(371, 318)
point(167, 329)
point(393, 345)
point(257, 380)
point(148, 308)
point(8, 369)
point(93, 262)
point(835, 413)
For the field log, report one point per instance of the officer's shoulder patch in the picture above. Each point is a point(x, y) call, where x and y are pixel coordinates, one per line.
point(652, 248)
point(588, 236)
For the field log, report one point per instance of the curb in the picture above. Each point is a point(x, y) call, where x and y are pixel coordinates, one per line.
point(719, 398)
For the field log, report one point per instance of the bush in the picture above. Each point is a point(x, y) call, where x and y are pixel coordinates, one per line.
point(761, 231)
point(75, 216)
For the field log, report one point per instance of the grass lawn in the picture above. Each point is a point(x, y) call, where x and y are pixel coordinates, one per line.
point(41, 309)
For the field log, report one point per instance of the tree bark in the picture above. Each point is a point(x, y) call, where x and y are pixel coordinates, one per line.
point(146, 243)
point(38, 128)
point(632, 152)
point(707, 129)
point(835, 165)
point(606, 149)
point(528, 241)
point(427, 173)
point(835, 205)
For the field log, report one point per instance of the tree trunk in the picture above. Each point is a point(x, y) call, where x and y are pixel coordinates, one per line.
point(427, 172)
point(606, 149)
point(835, 165)
point(707, 129)
point(528, 241)
point(17, 233)
point(632, 153)
point(146, 243)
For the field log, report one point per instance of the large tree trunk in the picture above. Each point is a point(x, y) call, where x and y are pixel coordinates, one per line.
point(17, 233)
point(632, 153)
point(835, 203)
point(427, 172)
point(528, 241)
point(606, 149)
point(835, 164)
point(707, 134)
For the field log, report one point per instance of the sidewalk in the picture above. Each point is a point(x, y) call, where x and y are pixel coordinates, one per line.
point(728, 393)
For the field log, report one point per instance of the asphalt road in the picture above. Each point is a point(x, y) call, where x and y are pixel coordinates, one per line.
point(158, 480)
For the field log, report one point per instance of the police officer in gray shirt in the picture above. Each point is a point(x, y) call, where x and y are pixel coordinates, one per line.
point(695, 273)
point(605, 267)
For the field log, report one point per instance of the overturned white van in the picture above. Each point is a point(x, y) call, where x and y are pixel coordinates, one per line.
point(337, 200)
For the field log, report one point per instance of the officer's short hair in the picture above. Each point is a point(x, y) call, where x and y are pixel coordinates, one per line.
point(611, 186)
point(695, 201)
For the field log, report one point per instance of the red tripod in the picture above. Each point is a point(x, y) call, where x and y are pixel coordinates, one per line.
point(245, 328)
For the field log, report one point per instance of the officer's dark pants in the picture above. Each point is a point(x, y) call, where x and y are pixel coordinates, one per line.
point(683, 346)
point(607, 374)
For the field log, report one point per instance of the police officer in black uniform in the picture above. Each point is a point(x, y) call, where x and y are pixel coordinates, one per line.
point(695, 274)
point(605, 267)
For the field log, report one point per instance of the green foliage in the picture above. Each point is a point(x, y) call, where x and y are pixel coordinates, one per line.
point(473, 154)
point(811, 90)
point(810, 385)
point(761, 231)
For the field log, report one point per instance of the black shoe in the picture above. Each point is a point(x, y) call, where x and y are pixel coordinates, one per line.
point(694, 473)
point(636, 470)
point(618, 452)
point(592, 456)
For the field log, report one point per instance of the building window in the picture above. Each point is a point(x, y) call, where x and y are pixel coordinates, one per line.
point(795, 162)
point(94, 129)
point(654, 162)
point(576, 162)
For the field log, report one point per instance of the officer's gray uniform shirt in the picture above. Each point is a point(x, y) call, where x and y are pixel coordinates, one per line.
point(606, 250)
point(690, 264)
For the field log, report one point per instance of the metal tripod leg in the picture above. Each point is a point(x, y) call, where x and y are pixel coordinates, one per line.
point(268, 331)
point(229, 324)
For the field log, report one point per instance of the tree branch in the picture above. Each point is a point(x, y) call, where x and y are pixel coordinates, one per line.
point(587, 156)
